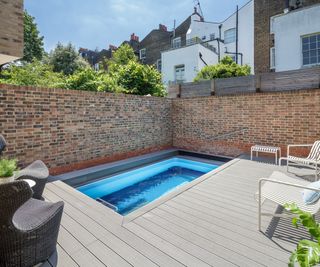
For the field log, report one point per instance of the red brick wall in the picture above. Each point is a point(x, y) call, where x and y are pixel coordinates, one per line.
point(70, 129)
point(267, 118)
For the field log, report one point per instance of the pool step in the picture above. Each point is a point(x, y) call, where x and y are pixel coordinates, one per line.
point(109, 205)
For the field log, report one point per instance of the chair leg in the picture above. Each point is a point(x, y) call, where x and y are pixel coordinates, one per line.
point(259, 208)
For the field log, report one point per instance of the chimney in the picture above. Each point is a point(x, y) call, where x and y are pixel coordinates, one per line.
point(134, 37)
point(163, 28)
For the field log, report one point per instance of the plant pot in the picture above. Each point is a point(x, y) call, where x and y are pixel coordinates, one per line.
point(4, 180)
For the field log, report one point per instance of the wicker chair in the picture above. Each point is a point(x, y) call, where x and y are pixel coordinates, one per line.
point(28, 227)
point(38, 172)
point(3, 144)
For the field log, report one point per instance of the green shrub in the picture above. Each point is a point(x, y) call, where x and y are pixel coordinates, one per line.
point(138, 79)
point(32, 74)
point(7, 167)
point(225, 69)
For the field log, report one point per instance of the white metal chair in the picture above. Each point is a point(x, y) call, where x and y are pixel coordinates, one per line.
point(282, 189)
point(311, 161)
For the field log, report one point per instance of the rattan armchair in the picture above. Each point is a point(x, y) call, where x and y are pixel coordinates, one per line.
point(28, 227)
point(38, 172)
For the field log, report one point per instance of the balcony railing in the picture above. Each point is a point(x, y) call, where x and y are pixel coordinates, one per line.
point(194, 41)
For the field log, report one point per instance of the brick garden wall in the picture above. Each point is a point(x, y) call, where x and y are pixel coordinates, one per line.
point(231, 124)
point(74, 129)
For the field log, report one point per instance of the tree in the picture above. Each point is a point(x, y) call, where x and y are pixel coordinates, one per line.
point(91, 80)
point(66, 59)
point(122, 56)
point(225, 69)
point(33, 42)
point(135, 78)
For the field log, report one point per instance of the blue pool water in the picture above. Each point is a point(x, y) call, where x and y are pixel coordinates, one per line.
point(128, 191)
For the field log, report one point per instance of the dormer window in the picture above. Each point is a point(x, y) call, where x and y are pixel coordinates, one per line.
point(143, 53)
point(176, 42)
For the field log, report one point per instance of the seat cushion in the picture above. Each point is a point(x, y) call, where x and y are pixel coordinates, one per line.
point(310, 196)
point(33, 213)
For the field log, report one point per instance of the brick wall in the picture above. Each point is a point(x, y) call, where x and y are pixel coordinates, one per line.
point(70, 129)
point(263, 10)
point(11, 29)
point(231, 124)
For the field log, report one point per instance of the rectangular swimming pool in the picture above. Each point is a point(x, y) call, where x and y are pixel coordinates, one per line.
point(133, 189)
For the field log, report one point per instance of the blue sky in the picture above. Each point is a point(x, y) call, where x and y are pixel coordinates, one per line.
point(98, 23)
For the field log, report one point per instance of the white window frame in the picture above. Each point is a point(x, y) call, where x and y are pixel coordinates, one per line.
point(316, 49)
point(182, 66)
point(143, 53)
point(176, 42)
point(273, 58)
point(159, 64)
point(230, 39)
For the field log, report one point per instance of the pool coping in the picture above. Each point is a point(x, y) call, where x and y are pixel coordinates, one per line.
point(140, 161)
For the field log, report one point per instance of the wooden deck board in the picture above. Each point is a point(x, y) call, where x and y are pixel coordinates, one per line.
point(213, 223)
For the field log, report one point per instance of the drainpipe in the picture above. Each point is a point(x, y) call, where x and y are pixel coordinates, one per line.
point(237, 33)
point(200, 56)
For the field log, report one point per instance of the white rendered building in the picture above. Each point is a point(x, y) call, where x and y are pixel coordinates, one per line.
point(207, 42)
point(296, 39)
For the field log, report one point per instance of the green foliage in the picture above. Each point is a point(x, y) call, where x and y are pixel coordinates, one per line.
point(7, 167)
point(90, 80)
point(307, 252)
point(225, 69)
point(33, 42)
point(66, 59)
point(139, 79)
point(63, 69)
point(122, 56)
point(32, 74)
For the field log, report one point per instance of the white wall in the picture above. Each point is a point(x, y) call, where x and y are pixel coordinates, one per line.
point(187, 56)
point(245, 34)
point(199, 29)
point(288, 29)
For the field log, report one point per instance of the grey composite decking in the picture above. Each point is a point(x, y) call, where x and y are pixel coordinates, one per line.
point(214, 223)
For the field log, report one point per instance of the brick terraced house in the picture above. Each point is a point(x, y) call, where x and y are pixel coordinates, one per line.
point(11, 30)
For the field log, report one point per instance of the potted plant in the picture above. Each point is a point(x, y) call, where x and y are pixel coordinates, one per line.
point(7, 169)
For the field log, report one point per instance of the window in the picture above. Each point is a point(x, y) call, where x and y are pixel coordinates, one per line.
point(179, 73)
point(230, 36)
point(143, 53)
point(311, 49)
point(204, 38)
point(272, 58)
point(176, 42)
point(159, 65)
point(212, 36)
